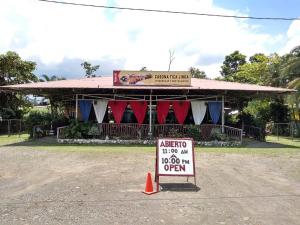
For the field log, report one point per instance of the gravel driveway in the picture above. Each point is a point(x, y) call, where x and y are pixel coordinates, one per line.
point(45, 187)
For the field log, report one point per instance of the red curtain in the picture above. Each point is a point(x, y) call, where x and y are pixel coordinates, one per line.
point(162, 109)
point(181, 109)
point(139, 109)
point(117, 108)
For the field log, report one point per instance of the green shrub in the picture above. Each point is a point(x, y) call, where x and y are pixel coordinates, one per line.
point(42, 118)
point(174, 133)
point(217, 135)
point(77, 130)
point(7, 113)
point(94, 131)
point(194, 132)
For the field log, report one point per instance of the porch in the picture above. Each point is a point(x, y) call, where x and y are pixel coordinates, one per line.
point(135, 132)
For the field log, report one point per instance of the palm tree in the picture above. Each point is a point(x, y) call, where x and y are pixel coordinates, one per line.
point(53, 104)
point(294, 101)
point(46, 78)
point(290, 67)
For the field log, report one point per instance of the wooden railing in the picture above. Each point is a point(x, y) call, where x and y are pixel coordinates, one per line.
point(204, 132)
point(233, 133)
point(60, 132)
point(254, 132)
point(123, 131)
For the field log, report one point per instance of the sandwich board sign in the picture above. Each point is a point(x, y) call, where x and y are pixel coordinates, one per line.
point(175, 157)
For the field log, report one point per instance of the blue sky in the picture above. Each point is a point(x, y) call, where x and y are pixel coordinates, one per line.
point(60, 37)
point(266, 8)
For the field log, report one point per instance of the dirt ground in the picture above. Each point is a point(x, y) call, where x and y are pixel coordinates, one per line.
point(44, 187)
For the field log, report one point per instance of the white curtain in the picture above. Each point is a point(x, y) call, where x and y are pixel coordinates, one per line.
point(100, 109)
point(199, 110)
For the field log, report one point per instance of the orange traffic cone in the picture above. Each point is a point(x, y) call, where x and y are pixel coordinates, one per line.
point(149, 186)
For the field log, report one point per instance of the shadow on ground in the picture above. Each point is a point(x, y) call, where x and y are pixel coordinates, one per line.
point(250, 143)
point(179, 187)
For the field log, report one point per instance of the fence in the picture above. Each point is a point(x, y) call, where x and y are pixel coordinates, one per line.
point(11, 126)
point(254, 132)
point(291, 129)
point(205, 132)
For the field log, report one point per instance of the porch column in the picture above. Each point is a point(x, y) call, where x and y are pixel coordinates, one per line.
point(150, 115)
point(76, 107)
point(223, 112)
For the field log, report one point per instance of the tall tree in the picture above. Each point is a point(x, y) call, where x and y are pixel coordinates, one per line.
point(14, 70)
point(144, 68)
point(258, 58)
point(46, 78)
point(255, 72)
point(171, 58)
point(293, 101)
point(89, 69)
point(197, 73)
point(296, 51)
point(54, 104)
point(290, 66)
point(232, 63)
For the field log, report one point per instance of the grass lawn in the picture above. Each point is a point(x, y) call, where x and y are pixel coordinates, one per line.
point(272, 146)
point(284, 140)
point(13, 139)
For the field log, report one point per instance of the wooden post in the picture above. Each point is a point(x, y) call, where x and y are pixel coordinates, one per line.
point(223, 112)
point(8, 128)
point(292, 129)
point(241, 137)
point(76, 109)
point(20, 127)
point(150, 116)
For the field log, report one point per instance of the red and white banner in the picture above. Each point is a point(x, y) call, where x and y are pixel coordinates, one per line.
point(117, 108)
point(139, 109)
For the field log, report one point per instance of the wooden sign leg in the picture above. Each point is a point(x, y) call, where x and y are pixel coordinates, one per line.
point(157, 184)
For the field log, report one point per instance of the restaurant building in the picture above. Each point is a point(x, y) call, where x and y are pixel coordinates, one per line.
point(142, 105)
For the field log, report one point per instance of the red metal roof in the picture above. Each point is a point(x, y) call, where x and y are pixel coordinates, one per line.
point(107, 83)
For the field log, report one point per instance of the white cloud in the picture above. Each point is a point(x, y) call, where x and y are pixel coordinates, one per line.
point(293, 37)
point(54, 32)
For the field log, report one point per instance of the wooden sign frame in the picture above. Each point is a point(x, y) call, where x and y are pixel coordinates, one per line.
point(157, 174)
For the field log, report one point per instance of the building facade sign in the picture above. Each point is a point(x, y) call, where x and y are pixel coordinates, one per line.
point(151, 78)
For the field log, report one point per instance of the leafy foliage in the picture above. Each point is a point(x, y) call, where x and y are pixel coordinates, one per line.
point(43, 118)
point(232, 63)
point(260, 69)
point(55, 104)
point(293, 101)
point(94, 131)
point(46, 78)
point(258, 58)
point(197, 73)
point(217, 135)
point(77, 130)
point(194, 132)
point(14, 70)
point(272, 70)
point(144, 68)
point(260, 111)
point(89, 69)
point(279, 111)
